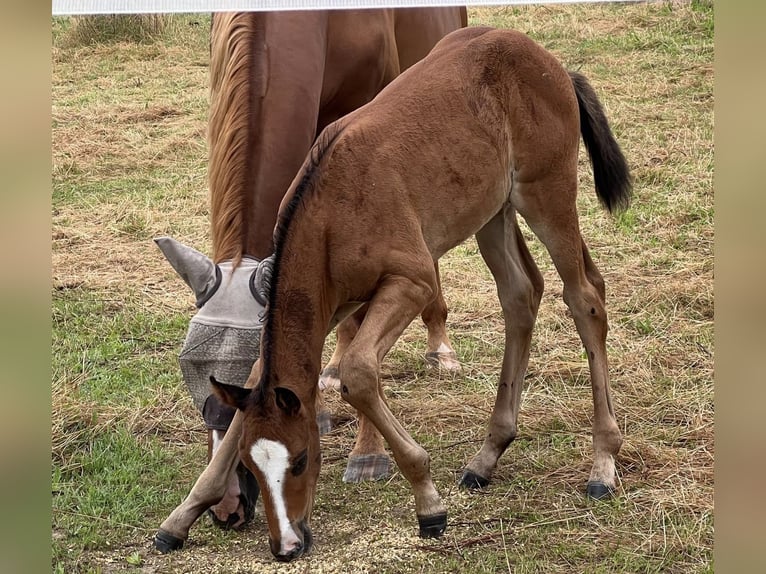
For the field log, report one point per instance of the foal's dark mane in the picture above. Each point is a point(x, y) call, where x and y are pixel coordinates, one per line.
point(306, 186)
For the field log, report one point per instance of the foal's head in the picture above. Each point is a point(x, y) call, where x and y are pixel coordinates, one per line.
point(280, 446)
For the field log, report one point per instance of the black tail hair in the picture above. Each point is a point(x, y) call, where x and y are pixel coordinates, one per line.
point(614, 184)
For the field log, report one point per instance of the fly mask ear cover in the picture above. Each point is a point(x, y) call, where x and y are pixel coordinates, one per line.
point(224, 336)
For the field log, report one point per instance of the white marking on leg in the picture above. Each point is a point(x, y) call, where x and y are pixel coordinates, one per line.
point(444, 348)
point(273, 460)
point(217, 439)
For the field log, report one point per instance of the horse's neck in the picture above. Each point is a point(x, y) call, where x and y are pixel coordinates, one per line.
point(299, 316)
point(263, 114)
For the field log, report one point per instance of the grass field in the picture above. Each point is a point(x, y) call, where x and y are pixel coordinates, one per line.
point(129, 164)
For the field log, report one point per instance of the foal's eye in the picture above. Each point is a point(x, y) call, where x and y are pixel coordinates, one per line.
point(299, 464)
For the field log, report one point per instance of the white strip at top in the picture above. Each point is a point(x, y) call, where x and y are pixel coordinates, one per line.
point(84, 7)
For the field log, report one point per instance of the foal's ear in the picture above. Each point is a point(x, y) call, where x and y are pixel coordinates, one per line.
point(288, 401)
point(231, 395)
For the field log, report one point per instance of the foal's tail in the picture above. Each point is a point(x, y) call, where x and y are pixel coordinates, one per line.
point(614, 184)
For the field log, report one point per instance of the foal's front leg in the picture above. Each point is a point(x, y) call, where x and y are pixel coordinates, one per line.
point(397, 301)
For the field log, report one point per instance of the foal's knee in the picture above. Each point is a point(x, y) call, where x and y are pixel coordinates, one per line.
point(358, 378)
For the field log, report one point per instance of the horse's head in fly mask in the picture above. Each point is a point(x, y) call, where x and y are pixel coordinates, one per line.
point(223, 340)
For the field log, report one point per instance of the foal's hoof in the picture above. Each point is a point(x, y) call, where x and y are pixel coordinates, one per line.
point(599, 491)
point(473, 481)
point(324, 422)
point(446, 360)
point(432, 526)
point(329, 379)
point(165, 542)
point(367, 467)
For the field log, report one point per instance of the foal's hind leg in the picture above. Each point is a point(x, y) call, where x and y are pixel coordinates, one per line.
point(369, 460)
point(558, 229)
point(519, 288)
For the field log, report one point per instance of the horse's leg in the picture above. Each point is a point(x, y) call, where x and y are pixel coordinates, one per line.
point(209, 489)
point(330, 378)
point(557, 227)
point(211, 485)
point(439, 351)
point(237, 507)
point(345, 332)
point(395, 304)
point(519, 288)
point(368, 459)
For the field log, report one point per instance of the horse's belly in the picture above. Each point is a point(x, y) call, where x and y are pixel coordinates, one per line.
point(459, 217)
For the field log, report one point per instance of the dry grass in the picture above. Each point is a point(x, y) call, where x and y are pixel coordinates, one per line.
point(109, 28)
point(129, 164)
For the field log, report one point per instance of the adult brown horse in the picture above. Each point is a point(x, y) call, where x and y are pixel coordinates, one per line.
point(484, 128)
point(277, 79)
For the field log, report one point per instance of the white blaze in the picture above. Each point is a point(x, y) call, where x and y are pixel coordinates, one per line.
point(273, 460)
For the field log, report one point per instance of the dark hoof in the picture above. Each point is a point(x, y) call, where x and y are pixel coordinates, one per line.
point(473, 481)
point(249, 492)
point(165, 542)
point(432, 526)
point(227, 524)
point(599, 491)
point(248, 485)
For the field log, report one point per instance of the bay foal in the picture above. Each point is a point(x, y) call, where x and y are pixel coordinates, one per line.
point(485, 128)
point(276, 80)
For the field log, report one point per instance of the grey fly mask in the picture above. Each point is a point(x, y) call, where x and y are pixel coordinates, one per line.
point(224, 336)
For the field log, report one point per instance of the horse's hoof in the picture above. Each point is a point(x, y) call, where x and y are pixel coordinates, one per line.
point(473, 481)
point(597, 490)
point(227, 524)
point(432, 526)
point(324, 422)
point(329, 379)
point(366, 467)
point(444, 360)
point(165, 542)
point(249, 492)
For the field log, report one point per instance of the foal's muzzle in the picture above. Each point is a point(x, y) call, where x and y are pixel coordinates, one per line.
point(287, 551)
